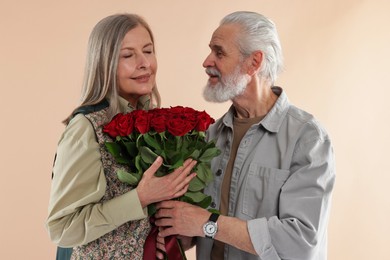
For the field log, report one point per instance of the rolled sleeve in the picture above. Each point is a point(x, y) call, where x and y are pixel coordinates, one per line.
point(300, 230)
point(261, 239)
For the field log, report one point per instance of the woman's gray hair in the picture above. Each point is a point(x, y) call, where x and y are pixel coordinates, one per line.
point(104, 44)
point(258, 34)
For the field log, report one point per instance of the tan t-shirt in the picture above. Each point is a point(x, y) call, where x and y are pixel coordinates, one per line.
point(240, 127)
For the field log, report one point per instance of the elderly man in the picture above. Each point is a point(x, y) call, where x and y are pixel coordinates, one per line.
point(275, 174)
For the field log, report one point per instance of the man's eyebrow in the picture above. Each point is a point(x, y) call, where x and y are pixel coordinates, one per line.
point(215, 47)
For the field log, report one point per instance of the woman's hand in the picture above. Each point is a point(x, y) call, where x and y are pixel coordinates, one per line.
point(153, 189)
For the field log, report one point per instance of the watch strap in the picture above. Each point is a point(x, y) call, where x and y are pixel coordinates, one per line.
point(214, 217)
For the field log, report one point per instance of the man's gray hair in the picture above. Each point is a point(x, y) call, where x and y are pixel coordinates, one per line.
point(258, 34)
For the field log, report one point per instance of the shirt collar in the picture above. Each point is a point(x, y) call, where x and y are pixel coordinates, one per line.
point(274, 118)
point(124, 105)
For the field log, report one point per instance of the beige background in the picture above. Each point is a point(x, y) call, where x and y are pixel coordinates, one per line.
point(336, 66)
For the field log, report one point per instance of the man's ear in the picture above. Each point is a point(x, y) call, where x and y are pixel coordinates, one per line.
point(254, 62)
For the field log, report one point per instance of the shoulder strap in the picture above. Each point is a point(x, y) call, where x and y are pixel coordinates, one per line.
point(91, 108)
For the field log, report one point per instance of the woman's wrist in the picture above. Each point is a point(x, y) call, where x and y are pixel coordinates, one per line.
point(142, 200)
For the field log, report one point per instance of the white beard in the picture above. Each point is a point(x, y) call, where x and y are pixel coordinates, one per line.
point(227, 88)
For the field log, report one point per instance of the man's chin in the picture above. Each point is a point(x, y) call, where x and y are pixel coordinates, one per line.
point(213, 93)
point(213, 100)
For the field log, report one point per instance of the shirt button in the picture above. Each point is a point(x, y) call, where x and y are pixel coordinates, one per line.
point(213, 204)
point(219, 172)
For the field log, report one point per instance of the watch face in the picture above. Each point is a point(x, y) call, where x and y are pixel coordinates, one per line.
point(210, 229)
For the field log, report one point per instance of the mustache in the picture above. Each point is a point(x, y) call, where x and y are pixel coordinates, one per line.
point(213, 72)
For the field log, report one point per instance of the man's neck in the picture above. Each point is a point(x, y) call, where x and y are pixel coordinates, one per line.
point(256, 101)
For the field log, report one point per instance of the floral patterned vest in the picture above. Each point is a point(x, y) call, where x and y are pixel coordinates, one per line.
point(126, 241)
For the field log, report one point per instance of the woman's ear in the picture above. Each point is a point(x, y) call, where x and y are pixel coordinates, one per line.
point(254, 62)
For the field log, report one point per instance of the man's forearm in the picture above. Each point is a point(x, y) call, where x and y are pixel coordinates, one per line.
point(234, 232)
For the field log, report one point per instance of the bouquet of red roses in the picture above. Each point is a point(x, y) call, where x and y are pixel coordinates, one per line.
point(175, 134)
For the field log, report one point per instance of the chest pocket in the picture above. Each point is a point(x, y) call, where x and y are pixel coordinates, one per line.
point(261, 191)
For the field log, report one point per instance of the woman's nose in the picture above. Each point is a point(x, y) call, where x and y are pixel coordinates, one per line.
point(143, 61)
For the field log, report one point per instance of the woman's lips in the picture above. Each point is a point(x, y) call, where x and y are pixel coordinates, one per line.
point(142, 78)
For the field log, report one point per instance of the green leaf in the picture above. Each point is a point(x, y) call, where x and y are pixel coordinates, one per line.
point(140, 141)
point(205, 203)
point(162, 135)
point(149, 139)
point(160, 172)
point(206, 145)
point(179, 162)
point(214, 211)
point(202, 134)
point(203, 172)
point(209, 154)
point(131, 148)
point(186, 199)
point(196, 184)
point(113, 148)
point(152, 209)
point(184, 146)
point(138, 165)
point(179, 142)
point(195, 196)
point(127, 177)
point(147, 154)
point(195, 154)
point(172, 155)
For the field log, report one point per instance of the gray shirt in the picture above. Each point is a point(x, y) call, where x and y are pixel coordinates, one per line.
point(281, 184)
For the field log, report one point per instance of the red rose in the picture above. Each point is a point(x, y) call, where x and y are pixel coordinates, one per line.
point(189, 111)
point(111, 128)
point(141, 120)
point(204, 121)
point(191, 116)
point(186, 114)
point(177, 110)
point(158, 119)
point(125, 124)
point(179, 127)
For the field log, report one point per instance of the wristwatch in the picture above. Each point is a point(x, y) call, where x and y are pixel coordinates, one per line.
point(210, 228)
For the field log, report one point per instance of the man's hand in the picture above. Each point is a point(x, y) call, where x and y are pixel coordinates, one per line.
point(180, 218)
point(160, 246)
